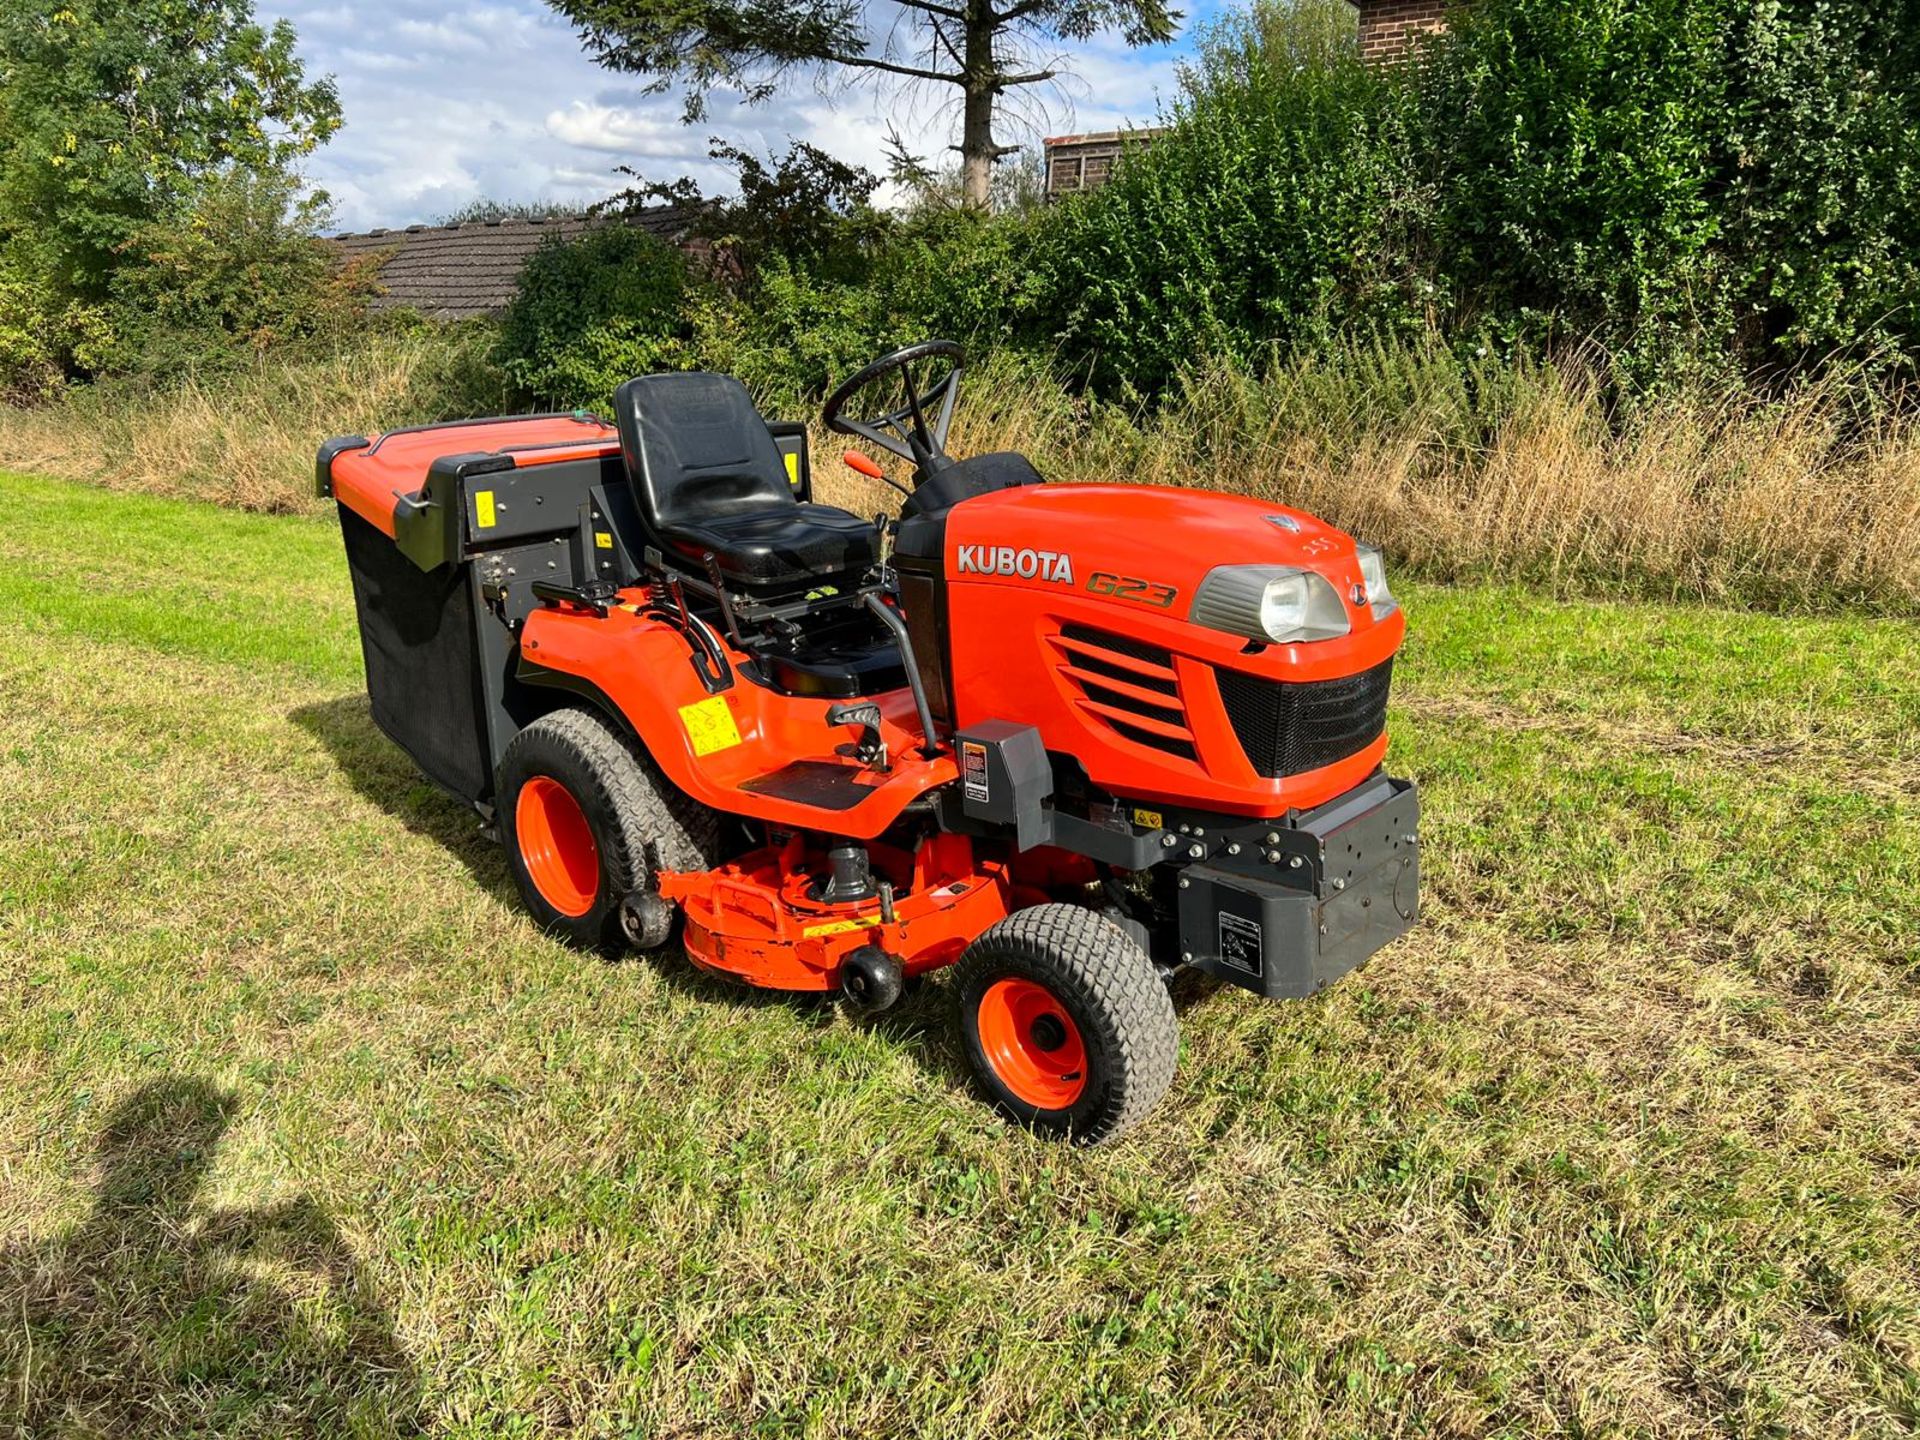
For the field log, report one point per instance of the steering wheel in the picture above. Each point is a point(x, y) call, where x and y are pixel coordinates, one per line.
point(906, 431)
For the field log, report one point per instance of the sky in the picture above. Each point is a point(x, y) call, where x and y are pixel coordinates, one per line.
point(444, 106)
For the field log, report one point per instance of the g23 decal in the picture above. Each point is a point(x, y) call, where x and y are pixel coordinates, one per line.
point(1126, 587)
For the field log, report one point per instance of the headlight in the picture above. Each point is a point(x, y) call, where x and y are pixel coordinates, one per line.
point(1269, 602)
point(1373, 573)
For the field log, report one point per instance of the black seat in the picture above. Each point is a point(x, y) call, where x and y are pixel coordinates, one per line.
point(707, 477)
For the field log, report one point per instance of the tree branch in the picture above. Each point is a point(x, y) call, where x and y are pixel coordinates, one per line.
point(940, 34)
point(933, 9)
point(912, 72)
point(1002, 82)
point(1020, 11)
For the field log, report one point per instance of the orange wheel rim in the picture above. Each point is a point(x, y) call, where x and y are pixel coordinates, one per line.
point(556, 845)
point(1032, 1044)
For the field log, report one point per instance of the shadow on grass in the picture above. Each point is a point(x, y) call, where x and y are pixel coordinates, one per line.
point(385, 774)
point(159, 1314)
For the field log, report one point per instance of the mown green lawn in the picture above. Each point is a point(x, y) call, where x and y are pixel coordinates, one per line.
point(304, 1128)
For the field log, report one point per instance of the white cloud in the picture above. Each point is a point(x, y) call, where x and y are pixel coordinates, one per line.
point(446, 105)
point(362, 61)
point(624, 130)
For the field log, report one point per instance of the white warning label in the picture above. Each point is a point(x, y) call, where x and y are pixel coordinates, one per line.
point(973, 769)
point(1240, 943)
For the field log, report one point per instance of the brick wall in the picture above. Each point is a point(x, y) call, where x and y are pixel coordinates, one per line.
point(1389, 28)
point(1083, 162)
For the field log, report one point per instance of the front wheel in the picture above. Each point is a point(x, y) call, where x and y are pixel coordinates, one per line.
point(1066, 1023)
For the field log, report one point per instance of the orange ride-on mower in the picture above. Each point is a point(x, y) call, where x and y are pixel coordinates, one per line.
point(1069, 738)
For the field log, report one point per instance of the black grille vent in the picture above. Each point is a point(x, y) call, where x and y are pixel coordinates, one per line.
point(1290, 727)
point(1084, 655)
point(1095, 665)
point(1152, 741)
point(1165, 714)
point(1119, 644)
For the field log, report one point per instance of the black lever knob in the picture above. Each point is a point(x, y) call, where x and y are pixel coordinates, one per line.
point(870, 749)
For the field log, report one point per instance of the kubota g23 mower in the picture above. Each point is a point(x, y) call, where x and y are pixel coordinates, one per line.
point(1072, 738)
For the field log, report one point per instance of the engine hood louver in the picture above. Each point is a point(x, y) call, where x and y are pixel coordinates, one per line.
point(1129, 686)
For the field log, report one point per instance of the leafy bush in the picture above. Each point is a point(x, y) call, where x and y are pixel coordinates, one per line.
point(485, 211)
point(38, 334)
point(1279, 210)
point(1709, 189)
point(592, 311)
point(790, 336)
point(1704, 184)
point(238, 272)
point(147, 157)
point(962, 275)
point(792, 330)
point(116, 113)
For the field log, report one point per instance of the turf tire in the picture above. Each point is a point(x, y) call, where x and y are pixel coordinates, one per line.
point(1107, 986)
point(639, 822)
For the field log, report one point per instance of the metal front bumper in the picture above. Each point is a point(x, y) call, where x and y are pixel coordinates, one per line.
point(1322, 896)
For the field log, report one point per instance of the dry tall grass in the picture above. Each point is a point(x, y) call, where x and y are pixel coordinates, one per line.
point(1787, 505)
point(246, 437)
point(1460, 472)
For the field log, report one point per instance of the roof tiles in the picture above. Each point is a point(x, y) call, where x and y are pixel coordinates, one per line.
point(450, 272)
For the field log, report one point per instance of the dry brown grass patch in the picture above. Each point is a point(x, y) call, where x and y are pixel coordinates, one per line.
point(1462, 472)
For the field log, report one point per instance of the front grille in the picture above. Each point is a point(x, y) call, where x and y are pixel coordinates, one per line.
point(1290, 727)
point(1129, 686)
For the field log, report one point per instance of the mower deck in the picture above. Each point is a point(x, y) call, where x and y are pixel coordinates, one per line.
point(761, 918)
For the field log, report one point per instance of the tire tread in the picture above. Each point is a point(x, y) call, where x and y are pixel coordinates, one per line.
point(1116, 980)
point(659, 826)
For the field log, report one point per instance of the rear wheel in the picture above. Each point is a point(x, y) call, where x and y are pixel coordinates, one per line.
point(587, 819)
point(1066, 1023)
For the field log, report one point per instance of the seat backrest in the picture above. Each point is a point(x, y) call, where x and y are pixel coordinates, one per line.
point(696, 449)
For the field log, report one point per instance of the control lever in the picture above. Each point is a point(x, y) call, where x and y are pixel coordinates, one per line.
point(709, 660)
point(856, 461)
point(870, 749)
point(596, 595)
point(719, 584)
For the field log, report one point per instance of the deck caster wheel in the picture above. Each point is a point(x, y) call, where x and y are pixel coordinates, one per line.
point(1068, 1027)
point(871, 980)
point(645, 919)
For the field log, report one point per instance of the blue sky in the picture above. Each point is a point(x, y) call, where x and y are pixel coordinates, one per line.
point(444, 106)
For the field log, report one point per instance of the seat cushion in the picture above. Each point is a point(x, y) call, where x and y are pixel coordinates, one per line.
point(791, 545)
point(707, 476)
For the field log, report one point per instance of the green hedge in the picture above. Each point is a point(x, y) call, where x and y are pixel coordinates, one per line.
point(592, 311)
point(1698, 190)
point(1697, 185)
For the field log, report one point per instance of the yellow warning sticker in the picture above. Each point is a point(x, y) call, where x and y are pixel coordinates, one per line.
point(603, 540)
point(483, 509)
point(710, 725)
point(841, 927)
point(1148, 819)
point(793, 468)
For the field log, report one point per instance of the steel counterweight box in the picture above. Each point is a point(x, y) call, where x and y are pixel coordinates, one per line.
point(1288, 939)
